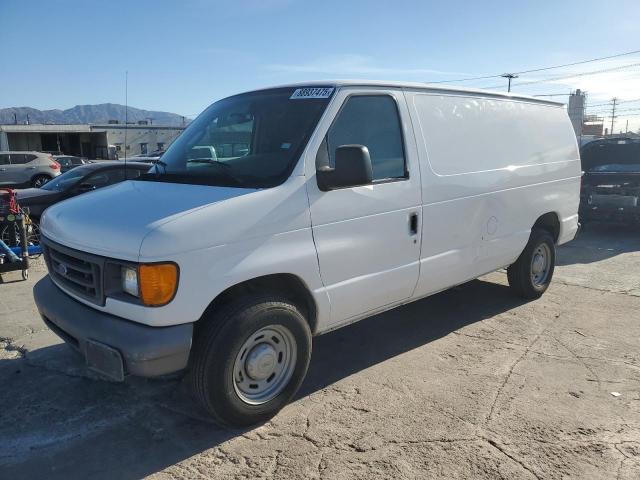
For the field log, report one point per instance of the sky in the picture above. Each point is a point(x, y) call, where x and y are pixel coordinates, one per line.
point(183, 55)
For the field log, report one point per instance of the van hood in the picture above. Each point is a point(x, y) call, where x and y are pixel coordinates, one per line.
point(113, 221)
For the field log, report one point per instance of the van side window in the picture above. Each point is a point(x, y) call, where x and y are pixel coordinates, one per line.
point(372, 121)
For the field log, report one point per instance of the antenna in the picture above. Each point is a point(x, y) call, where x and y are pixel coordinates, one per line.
point(126, 118)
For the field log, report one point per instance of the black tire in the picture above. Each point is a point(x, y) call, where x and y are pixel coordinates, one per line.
point(39, 180)
point(217, 344)
point(520, 273)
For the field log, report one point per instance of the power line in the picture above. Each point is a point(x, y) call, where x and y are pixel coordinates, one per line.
point(623, 110)
point(579, 63)
point(609, 103)
point(617, 116)
point(574, 75)
point(468, 79)
point(588, 105)
point(625, 115)
point(630, 101)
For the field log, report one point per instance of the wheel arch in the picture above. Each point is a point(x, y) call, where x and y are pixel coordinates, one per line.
point(288, 285)
point(549, 222)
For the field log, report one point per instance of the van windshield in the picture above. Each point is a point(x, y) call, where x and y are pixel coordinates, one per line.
point(252, 140)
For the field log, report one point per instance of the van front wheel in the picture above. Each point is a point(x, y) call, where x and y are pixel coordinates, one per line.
point(249, 359)
point(530, 276)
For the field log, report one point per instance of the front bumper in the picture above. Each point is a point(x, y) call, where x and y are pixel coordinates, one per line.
point(112, 345)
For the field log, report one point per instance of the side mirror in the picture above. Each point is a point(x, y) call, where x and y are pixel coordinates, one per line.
point(352, 168)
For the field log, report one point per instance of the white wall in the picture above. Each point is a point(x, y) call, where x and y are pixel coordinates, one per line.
point(135, 136)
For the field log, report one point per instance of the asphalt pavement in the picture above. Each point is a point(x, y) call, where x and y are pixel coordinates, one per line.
point(470, 383)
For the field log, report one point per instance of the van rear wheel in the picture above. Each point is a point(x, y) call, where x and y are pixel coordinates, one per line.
point(530, 276)
point(249, 359)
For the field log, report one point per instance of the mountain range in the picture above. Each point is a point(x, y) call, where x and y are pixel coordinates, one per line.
point(101, 113)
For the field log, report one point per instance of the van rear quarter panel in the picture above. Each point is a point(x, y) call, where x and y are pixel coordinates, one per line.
point(490, 168)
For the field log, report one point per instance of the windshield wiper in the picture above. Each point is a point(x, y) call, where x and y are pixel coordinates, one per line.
point(209, 162)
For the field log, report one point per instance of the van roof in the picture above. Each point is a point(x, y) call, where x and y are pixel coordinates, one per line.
point(420, 86)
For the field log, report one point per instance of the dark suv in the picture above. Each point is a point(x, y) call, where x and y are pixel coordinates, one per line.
point(611, 181)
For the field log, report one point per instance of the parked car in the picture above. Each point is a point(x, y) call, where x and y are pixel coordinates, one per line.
point(352, 198)
point(203, 152)
point(67, 162)
point(151, 158)
point(82, 179)
point(611, 181)
point(155, 154)
point(147, 160)
point(27, 168)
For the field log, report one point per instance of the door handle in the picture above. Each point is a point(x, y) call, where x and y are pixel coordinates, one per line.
point(413, 224)
point(31, 168)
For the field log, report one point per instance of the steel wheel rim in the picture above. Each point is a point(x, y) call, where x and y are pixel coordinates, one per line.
point(39, 182)
point(540, 264)
point(264, 364)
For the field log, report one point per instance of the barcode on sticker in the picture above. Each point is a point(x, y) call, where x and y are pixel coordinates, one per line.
point(302, 93)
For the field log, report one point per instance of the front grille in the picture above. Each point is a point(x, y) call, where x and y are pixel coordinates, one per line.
point(78, 272)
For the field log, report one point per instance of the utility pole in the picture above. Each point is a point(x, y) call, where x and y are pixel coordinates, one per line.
point(626, 129)
point(613, 112)
point(126, 115)
point(509, 76)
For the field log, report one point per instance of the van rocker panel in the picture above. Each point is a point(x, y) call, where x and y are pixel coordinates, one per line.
point(146, 351)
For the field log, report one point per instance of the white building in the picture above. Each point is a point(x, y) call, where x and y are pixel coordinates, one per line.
point(91, 141)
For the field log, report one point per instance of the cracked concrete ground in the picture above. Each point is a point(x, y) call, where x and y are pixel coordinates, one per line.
point(470, 383)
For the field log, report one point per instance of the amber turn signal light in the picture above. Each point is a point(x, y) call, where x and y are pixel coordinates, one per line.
point(158, 283)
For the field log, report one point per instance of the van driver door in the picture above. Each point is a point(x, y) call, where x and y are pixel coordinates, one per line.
point(367, 237)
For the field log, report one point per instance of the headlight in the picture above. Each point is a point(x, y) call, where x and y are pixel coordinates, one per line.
point(130, 281)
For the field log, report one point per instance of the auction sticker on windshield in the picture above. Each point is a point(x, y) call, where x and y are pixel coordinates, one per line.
point(318, 92)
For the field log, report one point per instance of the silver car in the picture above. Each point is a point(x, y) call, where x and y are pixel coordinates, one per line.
point(27, 168)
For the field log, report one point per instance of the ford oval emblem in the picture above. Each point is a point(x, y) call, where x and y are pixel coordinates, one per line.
point(62, 269)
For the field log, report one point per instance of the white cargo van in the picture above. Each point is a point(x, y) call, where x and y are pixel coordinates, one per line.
point(325, 203)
